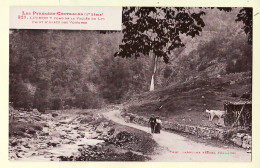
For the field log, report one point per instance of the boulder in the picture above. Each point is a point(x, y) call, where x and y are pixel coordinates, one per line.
point(236, 140)
point(127, 119)
point(167, 125)
point(44, 134)
point(100, 128)
point(240, 135)
point(54, 143)
point(246, 142)
point(31, 131)
point(35, 111)
point(54, 114)
point(191, 130)
point(93, 136)
point(219, 134)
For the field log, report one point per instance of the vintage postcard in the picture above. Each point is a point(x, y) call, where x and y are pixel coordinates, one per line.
point(146, 84)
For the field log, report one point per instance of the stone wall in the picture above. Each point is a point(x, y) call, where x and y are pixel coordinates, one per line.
point(242, 140)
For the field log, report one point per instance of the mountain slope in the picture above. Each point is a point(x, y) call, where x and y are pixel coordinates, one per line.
point(186, 102)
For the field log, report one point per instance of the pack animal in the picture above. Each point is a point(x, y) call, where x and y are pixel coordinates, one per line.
point(213, 113)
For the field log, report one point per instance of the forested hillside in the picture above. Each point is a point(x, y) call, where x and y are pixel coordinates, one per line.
point(55, 69)
point(221, 48)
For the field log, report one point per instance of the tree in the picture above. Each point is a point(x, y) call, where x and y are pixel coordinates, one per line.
point(41, 96)
point(155, 31)
point(245, 15)
point(115, 79)
point(232, 51)
point(20, 95)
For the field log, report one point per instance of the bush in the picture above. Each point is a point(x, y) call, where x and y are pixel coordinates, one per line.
point(233, 95)
point(202, 67)
point(20, 128)
point(68, 103)
point(228, 135)
point(41, 102)
point(21, 96)
point(88, 100)
point(56, 104)
point(167, 72)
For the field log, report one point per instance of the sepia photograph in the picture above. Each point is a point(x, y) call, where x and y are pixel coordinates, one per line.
point(174, 84)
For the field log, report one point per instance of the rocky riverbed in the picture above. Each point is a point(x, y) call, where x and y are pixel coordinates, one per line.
point(74, 136)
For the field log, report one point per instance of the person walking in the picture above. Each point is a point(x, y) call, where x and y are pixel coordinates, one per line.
point(152, 122)
point(158, 125)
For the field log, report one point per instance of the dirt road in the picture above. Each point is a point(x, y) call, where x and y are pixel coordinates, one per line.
point(174, 147)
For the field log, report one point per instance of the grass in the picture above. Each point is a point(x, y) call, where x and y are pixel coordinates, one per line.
point(145, 145)
point(186, 103)
point(22, 128)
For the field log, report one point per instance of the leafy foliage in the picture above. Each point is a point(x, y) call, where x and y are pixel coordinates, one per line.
point(245, 15)
point(221, 48)
point(52, 69)
point(41, 96)
point(232, 50)
point(157, 30)
point(22, 98)
point(69, 69)
point(53, 62)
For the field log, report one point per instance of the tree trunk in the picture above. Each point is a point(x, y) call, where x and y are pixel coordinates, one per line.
point(153, 76)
